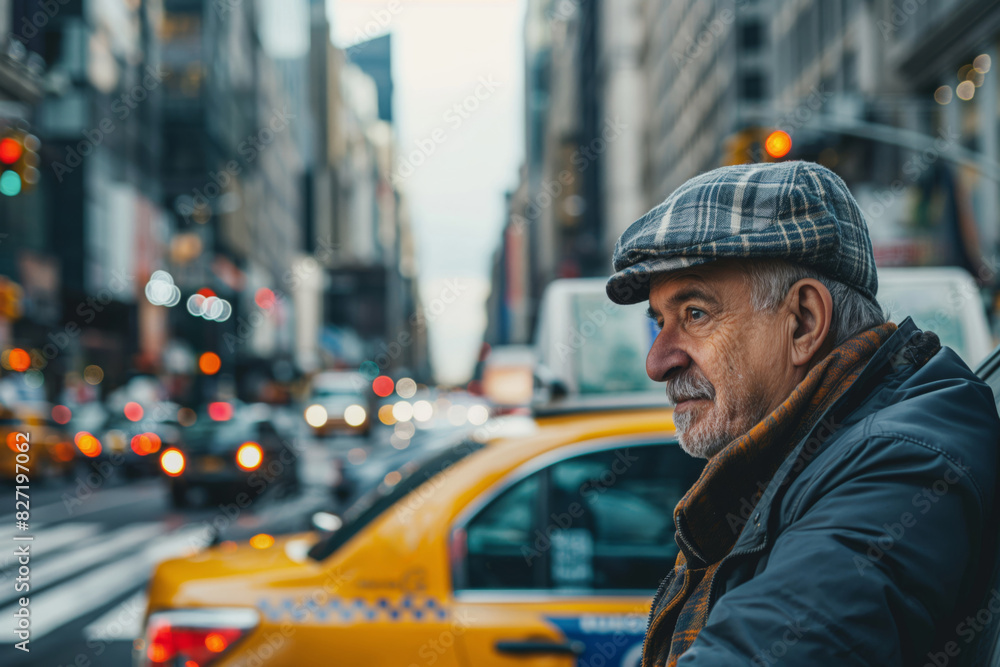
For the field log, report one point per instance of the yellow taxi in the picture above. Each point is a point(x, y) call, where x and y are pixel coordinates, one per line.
point(50, 451)
point(537, 542)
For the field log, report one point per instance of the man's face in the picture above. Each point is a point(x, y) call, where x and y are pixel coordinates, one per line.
point(723, 362)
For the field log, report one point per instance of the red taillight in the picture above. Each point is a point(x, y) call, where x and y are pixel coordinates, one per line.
point(220, 411)
point(193, 638)
point(191, 647)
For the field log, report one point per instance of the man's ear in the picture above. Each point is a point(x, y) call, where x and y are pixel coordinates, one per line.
point(812, 306)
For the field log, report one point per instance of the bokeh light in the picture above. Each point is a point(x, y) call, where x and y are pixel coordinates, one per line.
point(87, 444)
point(423, 411)
point(264, 298)
point(209, 363)
point(249, 456)
point(357, 456)
point(355, 415)
point(316, 415)
point(385, 415)
point(220, 411)
point(382, 386)
point(186, 417)
point(477, 415)
point(261, 541)
point(133, 411)
point(402, 411)
point(172, 461)
point(61, 414)
point(19, 360)
point(778, 144)
point(406, 388)
point(93, 374)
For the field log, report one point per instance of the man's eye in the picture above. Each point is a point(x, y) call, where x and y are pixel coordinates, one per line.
point(696, 313)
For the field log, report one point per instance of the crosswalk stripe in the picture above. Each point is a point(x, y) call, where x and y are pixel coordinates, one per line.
point(122, 623)
point(77, 560)
point(49, 541)
point(62, 604)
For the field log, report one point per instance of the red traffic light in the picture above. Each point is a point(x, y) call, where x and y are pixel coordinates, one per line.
point(10, 150)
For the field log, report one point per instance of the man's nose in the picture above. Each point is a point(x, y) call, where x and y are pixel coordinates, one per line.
point(665, 359)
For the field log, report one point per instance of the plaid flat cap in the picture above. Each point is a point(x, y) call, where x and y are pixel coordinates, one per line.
point(797, 211)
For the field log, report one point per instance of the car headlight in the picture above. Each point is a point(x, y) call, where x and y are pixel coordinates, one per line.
point(192, 637)
point(355, 415)
point(316, 415)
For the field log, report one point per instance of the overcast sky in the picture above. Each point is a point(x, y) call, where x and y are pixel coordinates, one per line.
point(456, 161)
point(458, 112)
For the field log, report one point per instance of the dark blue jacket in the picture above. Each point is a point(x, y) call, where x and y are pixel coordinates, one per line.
point(864, 548)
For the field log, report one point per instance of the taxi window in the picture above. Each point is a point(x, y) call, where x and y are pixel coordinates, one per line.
point(597, 521)
point(499, 540)
point(611, 516)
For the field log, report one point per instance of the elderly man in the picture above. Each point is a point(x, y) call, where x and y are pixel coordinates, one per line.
point(852, 462)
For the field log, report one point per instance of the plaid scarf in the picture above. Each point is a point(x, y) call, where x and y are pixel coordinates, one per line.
point(730, 486)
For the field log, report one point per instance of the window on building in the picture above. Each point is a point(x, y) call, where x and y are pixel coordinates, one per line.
point(752, 87)
point(751, 36)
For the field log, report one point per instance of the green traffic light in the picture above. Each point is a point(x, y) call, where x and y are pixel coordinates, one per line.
point(10, 183)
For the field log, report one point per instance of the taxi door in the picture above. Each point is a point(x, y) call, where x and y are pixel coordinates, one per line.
point(557, 565)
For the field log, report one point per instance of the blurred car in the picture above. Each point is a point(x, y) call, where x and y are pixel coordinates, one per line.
point(339, 402)
point(223, 457)
point(23, 409)
point(540, 541)
point(138, 444)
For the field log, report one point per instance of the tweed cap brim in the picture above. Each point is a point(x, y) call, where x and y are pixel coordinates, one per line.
point(631, 285)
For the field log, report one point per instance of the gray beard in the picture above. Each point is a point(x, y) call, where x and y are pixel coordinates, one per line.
point(724, 424)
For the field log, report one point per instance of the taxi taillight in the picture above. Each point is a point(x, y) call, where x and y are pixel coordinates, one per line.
point(193, 638)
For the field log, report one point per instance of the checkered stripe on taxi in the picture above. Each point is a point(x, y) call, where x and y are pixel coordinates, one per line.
point(357, 610)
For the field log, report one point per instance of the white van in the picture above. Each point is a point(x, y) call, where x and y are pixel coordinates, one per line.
point(591, 345)
point(945, 300)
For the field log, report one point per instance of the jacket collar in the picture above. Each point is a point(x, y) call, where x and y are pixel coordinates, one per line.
point(893, 357)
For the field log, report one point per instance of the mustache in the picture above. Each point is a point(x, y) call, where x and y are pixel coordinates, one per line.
point(688, 386)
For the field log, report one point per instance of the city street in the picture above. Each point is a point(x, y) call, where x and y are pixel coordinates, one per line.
point(94, 548)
